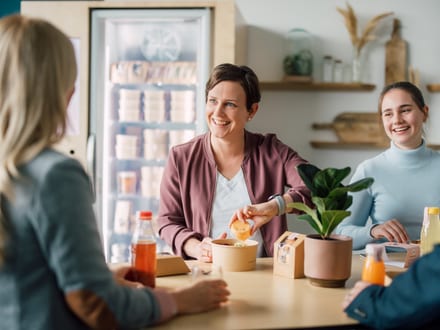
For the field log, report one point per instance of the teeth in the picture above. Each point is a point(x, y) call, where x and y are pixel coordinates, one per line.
point(220, 122)
point(400, 129)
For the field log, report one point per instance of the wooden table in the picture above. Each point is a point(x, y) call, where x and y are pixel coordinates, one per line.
point(261, 300)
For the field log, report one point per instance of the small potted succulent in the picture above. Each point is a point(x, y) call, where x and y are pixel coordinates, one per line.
point(327, 259)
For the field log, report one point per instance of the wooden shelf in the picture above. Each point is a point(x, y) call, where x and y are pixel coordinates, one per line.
point(433, 87)
point(314, 86)
point(356, 146)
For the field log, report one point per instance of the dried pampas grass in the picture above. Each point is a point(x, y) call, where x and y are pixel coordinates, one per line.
point(351, 24)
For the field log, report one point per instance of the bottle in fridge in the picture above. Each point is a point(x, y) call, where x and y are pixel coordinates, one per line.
point(148, 70)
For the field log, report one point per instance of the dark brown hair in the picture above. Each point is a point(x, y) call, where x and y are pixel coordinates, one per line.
point(244, 75)
point(411, 89)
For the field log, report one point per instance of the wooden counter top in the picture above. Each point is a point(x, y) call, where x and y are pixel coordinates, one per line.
point(261, 300)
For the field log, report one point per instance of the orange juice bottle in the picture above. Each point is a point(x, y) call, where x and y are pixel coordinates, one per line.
point(373, 270)
point(143, 250)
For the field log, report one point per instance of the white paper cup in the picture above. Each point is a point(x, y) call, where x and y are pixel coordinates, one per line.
point(152, 173)
point(154, 116)
point(129, 115)
point(126, 140)
point(124, 152)
point(155, 136)
point(180, 136)
point(182, 105)
point(132, 94)
point(150, 189)
point(154, 95)
point(182, 116)
point(128, 104)
point(182, 95)
point(155, 151)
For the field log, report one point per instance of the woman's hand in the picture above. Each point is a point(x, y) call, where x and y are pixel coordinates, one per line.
point(358, 287)
point(392, 230)
point(260, 214)
point(201, 250)
point(201, 296)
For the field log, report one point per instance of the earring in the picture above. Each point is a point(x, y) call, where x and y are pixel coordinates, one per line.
point(250, 118)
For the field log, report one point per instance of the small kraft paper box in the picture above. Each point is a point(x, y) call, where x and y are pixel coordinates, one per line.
point(288, 259)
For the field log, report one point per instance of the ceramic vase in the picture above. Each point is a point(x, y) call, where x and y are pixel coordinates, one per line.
point(327, 262)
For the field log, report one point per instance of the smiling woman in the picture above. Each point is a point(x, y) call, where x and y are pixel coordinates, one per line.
point(405, 176)
point(228, 174)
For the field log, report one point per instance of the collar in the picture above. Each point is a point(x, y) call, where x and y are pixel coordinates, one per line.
point(409, 158)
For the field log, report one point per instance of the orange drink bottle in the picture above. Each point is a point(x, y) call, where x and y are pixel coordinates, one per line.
point(373, 270)
point(241, 230)
point(143, 250)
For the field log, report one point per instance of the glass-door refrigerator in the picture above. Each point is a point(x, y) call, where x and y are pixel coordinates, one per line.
point(148, 68)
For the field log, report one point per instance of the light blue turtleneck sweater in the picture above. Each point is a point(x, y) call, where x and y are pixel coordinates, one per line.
point(405, 181)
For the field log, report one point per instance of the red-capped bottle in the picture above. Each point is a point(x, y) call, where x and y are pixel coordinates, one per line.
point(143, 250)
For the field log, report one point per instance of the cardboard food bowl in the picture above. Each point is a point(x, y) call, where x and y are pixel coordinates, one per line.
point(233, 258)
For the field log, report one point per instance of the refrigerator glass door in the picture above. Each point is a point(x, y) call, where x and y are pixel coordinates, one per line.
point(148, 71)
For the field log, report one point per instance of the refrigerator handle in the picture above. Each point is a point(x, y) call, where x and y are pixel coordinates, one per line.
point(91, 165)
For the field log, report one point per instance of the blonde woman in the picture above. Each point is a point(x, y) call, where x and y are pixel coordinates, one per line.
point(52, 269)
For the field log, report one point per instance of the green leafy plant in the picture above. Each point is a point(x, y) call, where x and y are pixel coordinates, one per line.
point(329, 196)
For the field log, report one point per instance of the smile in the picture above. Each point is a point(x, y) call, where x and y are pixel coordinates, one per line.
point(400, 129)
point(220, 122)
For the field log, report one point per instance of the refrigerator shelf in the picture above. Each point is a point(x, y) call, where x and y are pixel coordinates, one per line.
point(167, 125)
point(124, 163)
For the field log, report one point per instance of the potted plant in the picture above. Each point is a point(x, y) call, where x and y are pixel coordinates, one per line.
point(327, 257)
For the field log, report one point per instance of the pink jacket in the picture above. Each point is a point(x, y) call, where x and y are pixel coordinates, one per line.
point(188, 187)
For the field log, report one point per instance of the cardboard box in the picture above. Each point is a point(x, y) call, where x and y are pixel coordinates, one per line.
point(170, 265)
point(288, 259)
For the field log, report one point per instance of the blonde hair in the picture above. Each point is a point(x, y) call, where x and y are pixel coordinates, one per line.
point(38, 67)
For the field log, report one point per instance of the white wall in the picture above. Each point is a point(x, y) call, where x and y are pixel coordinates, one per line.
point(291, 113)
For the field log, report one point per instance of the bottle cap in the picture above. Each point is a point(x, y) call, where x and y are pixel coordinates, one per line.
point(434, 210)
point(144, 215)
point(376, 250)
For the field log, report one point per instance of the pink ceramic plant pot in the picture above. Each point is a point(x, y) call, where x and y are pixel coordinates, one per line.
point(327, 263)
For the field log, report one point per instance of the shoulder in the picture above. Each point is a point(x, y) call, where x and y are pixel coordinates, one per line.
point(51, 165)
point(373, 164)
point(434, 154)
point(268, 140)
point(49, 158)
point(196, 148)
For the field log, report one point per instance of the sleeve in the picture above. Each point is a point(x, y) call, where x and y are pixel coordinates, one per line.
point(173, 228)
point(355, 225)
point(67, 230)
point(297, 189)
point(411, 301)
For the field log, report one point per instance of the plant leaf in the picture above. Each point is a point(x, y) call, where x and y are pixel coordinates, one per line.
point(315, 225)
point(328, 179)
point(307, 172)
point(360, 184)
point(319, 203)
point(310, 212)
point(330, 219)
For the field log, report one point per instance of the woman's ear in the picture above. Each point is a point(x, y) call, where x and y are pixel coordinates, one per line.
point(253, 110)
point(425, 113)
